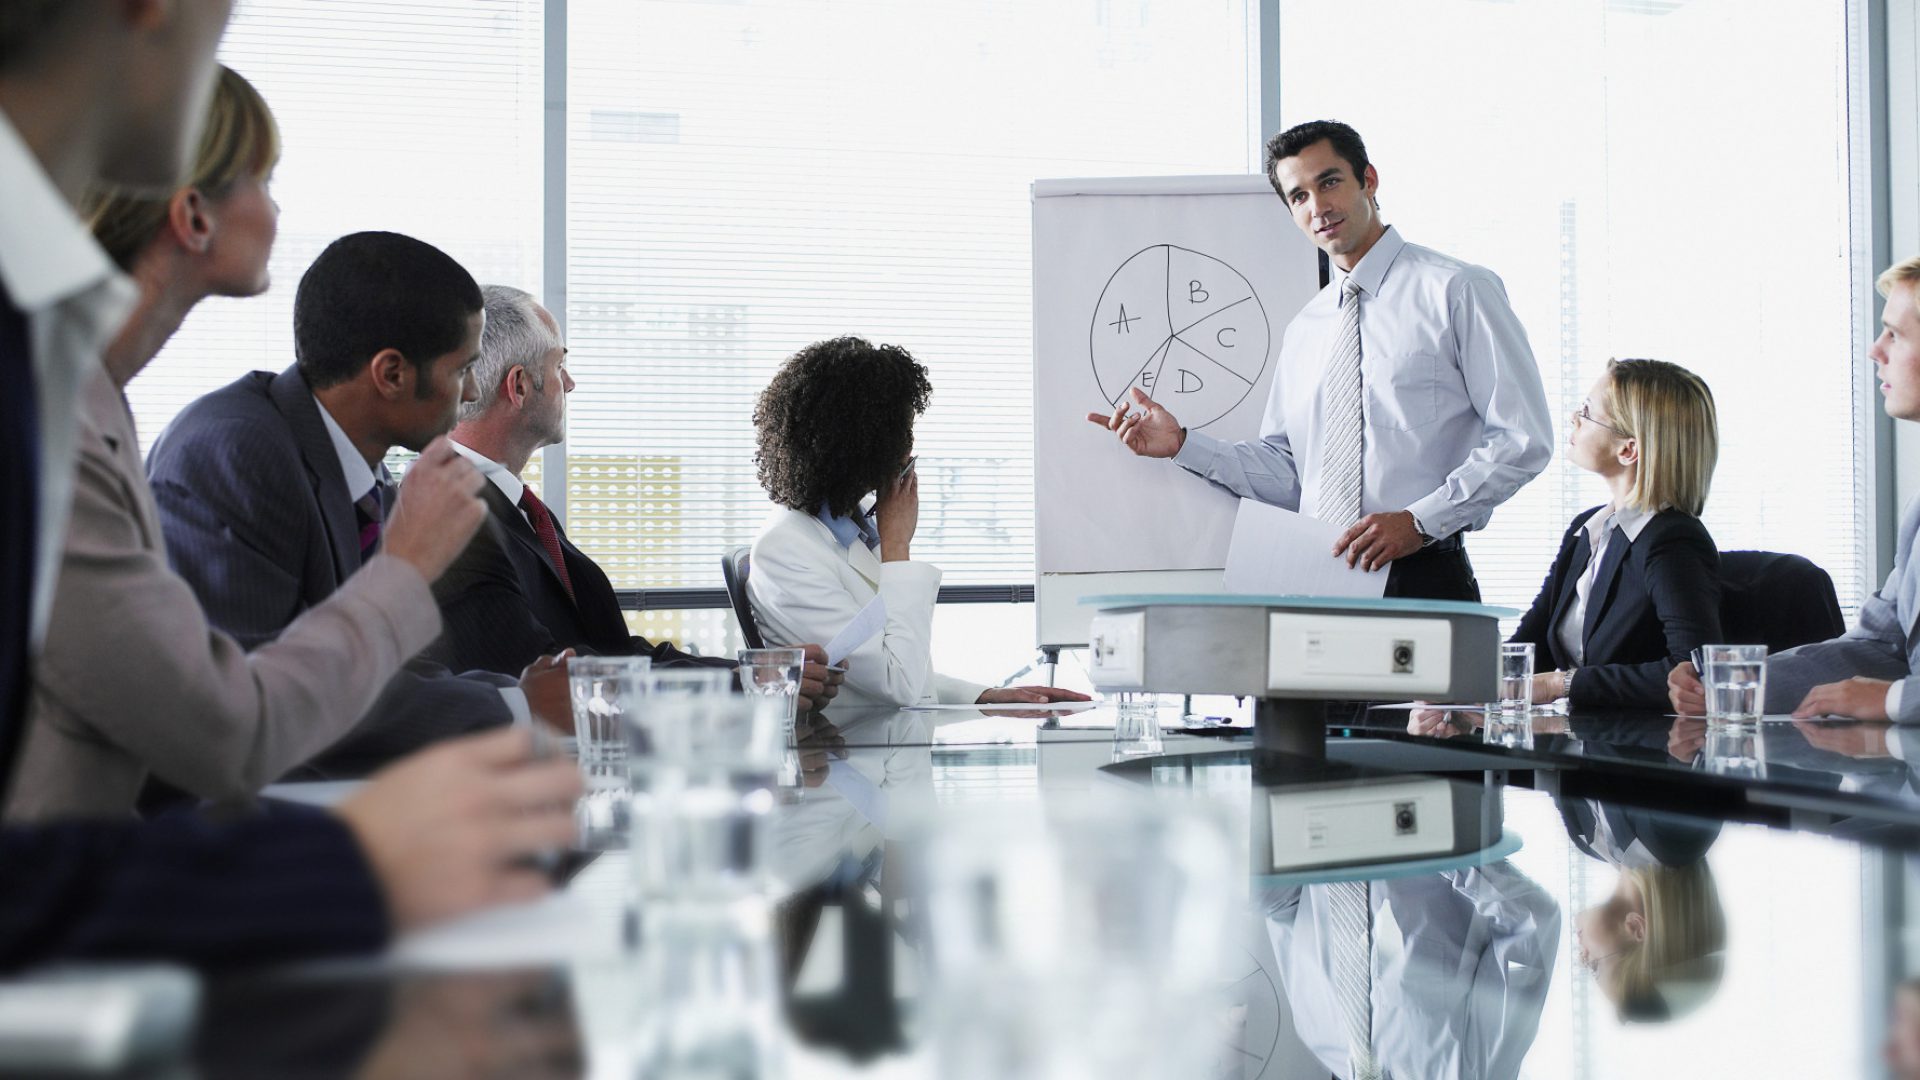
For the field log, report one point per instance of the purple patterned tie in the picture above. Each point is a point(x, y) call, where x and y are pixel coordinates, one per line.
point(371, 508)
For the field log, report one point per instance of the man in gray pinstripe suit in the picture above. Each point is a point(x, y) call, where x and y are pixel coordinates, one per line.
point(271, 489)
point(1863, 673)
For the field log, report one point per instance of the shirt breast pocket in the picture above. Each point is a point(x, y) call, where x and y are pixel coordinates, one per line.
point(1403, 392)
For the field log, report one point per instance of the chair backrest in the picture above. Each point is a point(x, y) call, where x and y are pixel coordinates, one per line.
point(1777, 600)
point(735, 564)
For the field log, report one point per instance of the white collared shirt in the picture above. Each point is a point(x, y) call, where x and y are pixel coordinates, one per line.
point(1454, 413)
point(1599, 530)
point(74, 300)
point(510, 485)
point(354, 468)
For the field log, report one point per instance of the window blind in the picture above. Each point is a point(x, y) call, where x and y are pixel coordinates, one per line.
point(1660, 180)
point(418, 116)
point(744, 179)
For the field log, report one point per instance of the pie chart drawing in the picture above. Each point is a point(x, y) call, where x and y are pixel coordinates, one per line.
point(1185, 328)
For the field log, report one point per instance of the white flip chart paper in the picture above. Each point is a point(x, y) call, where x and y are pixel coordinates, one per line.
point(1276, 552)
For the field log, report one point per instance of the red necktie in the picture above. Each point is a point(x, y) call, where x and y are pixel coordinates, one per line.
point(542, 520)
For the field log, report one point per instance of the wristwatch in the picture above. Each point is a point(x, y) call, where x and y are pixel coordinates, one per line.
point(1566, 681)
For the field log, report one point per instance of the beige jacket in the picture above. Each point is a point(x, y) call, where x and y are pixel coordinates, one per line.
point(133, 681)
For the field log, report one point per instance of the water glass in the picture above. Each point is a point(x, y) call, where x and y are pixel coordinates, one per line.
point(1735, 677)
point(774, 673)
point(603, 689)
point(709, 996)
point(702, 760)
point(702, 756)
point(1516, 680)
point(1087, 942)
point(1736, 750)
point(1136, 724)
point(1512, 730)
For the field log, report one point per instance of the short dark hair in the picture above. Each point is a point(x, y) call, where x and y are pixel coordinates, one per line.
point(370, 291)
point(836, 422)
point(1289, 143)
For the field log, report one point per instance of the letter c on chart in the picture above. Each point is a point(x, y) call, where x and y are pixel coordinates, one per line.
point(1221, 337)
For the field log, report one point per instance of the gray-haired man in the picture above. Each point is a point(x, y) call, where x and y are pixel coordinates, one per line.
point(521, 588)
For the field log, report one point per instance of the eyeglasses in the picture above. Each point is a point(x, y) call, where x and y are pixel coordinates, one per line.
point(1586, 414)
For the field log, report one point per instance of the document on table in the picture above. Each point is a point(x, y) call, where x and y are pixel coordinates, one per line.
point(871, 620)
point(1022, 706)
point(1276, 552)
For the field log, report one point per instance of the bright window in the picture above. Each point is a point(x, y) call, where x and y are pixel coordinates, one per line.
point(419, 116)
point(1660, 178)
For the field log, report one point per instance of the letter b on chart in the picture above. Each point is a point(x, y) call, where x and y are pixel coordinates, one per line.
point(1182, 326)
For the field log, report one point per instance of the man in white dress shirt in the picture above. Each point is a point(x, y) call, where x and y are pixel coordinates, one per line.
point(1406, 403)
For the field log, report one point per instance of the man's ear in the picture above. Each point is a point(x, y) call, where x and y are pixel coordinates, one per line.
point(190, 220)
point(517, 385)
point(392, 375)
point(1370, 181)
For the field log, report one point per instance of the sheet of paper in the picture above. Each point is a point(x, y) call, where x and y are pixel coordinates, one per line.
point(871, 620)
point(1051, 706)
point(1276, 552)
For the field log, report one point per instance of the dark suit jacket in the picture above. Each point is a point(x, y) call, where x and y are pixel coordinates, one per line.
point(1655, 601)
point(289, 885)
point(1671, 840)
point(258, 520)
point(504, 606)
point(19, 536)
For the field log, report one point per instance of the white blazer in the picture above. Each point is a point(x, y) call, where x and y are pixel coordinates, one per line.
point(805, 587)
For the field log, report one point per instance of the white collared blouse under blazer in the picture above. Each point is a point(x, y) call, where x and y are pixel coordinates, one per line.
point(1455, 417)
point(806, 587)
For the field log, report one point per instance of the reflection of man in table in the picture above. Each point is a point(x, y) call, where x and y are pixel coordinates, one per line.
point(1405, 404)
point(1441, 976)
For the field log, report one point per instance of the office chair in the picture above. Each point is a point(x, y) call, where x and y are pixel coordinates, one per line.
point(735, 564)
point(1777, 600)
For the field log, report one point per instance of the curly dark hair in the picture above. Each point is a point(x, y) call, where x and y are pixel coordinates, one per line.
point(836, 422)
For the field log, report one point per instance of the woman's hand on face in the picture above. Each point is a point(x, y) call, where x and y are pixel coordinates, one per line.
point(898, 514)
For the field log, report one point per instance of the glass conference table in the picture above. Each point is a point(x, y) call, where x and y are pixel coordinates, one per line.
point(1632, 905)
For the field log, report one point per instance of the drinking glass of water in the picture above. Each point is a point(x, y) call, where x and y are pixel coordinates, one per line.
point(1516, 679)
point(1735, 750)
point(1735, 677)
point(1136, 724)
point(602, 689)
point(702, 757)
point(774, 673)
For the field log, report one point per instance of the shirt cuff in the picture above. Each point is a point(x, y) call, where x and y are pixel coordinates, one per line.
point(516, 700)
point(1895, 694)
point(1197, 452)
point(1438, 516)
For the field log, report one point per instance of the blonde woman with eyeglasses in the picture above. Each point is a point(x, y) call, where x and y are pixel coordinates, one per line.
point(1636, 585)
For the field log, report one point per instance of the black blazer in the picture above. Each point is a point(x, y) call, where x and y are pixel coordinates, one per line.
point(280, 887)
point(1655, 601)
point(258, 520)
point(1671, 840)
point(504, 606)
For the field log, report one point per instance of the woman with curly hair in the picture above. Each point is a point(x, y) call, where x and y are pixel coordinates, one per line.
point(836, 426)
